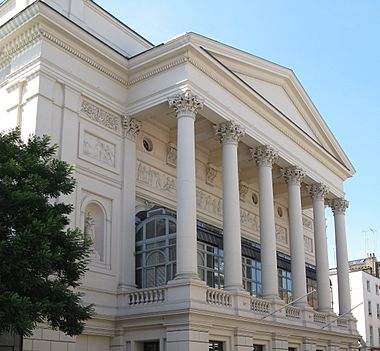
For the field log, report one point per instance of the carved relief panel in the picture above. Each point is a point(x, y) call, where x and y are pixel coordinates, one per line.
point(96, 147)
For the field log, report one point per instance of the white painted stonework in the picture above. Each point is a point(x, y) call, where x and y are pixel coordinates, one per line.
point(179, 155)
point(365, 297)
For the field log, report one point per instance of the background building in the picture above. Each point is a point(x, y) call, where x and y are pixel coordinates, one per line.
point(365, 286)
point(202, 177)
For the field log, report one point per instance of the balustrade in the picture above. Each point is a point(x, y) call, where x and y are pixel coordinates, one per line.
point(146, 296)
point(218, 297)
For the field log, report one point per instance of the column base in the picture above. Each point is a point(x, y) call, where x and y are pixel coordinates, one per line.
point(234, 288)
point(274, 299)
point(186, 277)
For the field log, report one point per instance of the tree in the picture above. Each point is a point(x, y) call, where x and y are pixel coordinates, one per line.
point(41, 260)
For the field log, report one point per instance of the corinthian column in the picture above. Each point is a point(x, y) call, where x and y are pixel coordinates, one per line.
point(186, 106)
point(127, 241)
point(293, 177)
point(339, 207)
point(265, 157)
point(318, 193)
point(229, 135)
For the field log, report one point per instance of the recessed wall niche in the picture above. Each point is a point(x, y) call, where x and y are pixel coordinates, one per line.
point(97, 226)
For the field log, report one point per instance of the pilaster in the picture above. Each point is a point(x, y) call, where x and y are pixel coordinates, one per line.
point(131, 127)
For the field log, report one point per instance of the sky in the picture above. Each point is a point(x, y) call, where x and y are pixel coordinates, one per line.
point(333, 47)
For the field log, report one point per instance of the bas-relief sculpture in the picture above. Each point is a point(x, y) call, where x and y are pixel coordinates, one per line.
point(89, 231)
point(98, 149)
point(155, 179)
point(101, 116)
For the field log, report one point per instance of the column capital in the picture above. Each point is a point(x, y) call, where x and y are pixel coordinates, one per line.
point(293, 175)
point(339, 205)
point(264, 155)
point(186, 102)
point(131, 127)
point(317, 191)
point(229, 132)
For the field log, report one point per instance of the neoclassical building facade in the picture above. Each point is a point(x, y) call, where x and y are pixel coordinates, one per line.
point(203, 177)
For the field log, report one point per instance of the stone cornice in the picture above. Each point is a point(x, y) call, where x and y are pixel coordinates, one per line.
point(38, 26)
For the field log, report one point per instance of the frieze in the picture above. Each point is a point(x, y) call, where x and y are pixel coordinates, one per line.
point(156, 179)
point(101, 116)
point(209, 203)
point(99, 149)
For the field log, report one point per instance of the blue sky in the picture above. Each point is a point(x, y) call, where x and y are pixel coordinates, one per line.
point(332, 46)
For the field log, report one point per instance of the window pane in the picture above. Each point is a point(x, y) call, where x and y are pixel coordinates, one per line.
point(139, 234)
point(172, 227)
point(161, 227)
point(155, 258)
point(139, 278)
point(138, 260)
point(160, 276)
point(210, 279)
point(149, 277)
point(149, 230)
point(172, 254)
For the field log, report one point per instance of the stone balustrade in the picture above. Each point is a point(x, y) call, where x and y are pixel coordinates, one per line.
point(260, 305)
point(146, 296)
point(218, 297)
point(292, 312)
point(204, 297)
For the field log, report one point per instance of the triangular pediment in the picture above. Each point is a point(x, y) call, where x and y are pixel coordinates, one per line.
point(277, 96)
point(280, 87)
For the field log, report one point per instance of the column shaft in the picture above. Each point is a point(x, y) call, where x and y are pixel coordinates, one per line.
point(318, 192)
point(229, 133)
point(186, 105)
point(293, 176)
point(265, 157)
point(339, 206)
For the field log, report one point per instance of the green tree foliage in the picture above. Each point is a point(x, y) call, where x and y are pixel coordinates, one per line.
point(41, 260)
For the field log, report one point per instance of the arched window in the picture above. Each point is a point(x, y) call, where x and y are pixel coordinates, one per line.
point(156, 253)
point(155, 248)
